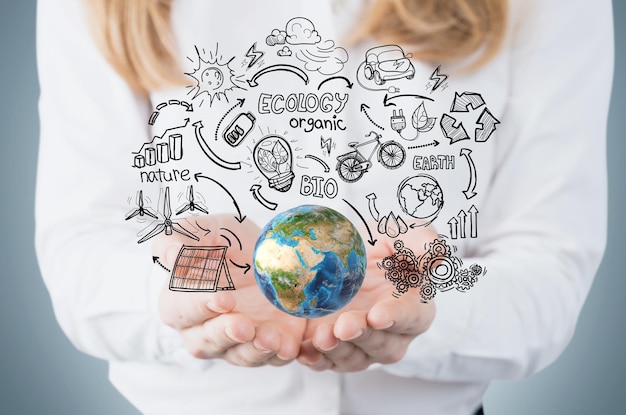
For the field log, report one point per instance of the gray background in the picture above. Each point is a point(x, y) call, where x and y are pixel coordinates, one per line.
point(41, 372)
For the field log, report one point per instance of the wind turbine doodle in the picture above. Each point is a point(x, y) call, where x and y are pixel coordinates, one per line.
point(141, 210)
point(191, 206)
point(167, 225)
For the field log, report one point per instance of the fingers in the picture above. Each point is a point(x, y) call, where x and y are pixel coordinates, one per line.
point(181, 310)
point(405, 316)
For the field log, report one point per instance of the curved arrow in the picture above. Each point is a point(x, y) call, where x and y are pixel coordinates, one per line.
point(470, 193)
point(371, 241)
point(209, 153)
point(239, 103)
point(246, 267)
point(256, 193)
point(387, 103)
point(372, 206)
point(350, 84)
point(239, 217)
point(487, 124)
point(435, 143)
point(364, 109)
point(155, 259)
point(463, 102)
point(279, 67)
point(319, 160)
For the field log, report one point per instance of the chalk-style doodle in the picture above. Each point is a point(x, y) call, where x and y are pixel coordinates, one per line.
point(212, 75)
point(273, 157)
point(254, 55)
point(371, 239)
point(463, 102)
point(210, 153)
point(435, 270)
point(458, 228)
point(372, 206)
point(141, 211)
point(421, 197)
point(487, 123)
point(192, 205)
point(387, 99)
point(167, 225)
point(438, 78)
point(278, 67)
point(239, 217)
point(161, 149)
point(239, 104)
point(364, 108)
point(239, 128)
point(306, 44)
point(352, 165)
point(256, 194)
point(201, 268)
point(392, 225)
point(452, 129)
point(471, 186)
point(388, 62)
point(320, 161)
point(156, 112)
point(349, 84)
point(327, 145)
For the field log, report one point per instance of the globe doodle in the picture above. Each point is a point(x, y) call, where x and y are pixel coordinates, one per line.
point(420, 197)
point(309, 261)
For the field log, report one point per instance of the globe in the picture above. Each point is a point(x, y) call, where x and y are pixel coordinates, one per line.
point(420, 197)
point(309, 261)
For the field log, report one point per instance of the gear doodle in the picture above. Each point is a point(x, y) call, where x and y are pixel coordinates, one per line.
point(435, 270)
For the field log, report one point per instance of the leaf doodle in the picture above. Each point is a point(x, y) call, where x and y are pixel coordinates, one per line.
point(266, 160)
point(280, 153)
point(420, 120)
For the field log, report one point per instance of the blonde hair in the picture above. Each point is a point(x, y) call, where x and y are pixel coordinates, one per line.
point(136, 35)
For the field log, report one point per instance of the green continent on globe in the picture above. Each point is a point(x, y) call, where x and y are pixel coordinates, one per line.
point(309, 261)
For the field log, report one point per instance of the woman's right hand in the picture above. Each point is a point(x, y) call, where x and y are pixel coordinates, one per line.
point(239, 326)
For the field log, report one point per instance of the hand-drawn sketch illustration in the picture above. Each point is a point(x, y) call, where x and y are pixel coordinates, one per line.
point(458, 227)
point(254, 55)
point(212, 75)
point(435, 270)
point(161, 149)
point(306, 44)
point(320, 161)
point(239, 217)
point(364, 108)
point(156, 112)
point(239, 128)
point(327, 145)
point(192, 205)
point(349, 83)
point(252, 82)
point(352, 165)
point(487, 123)
point(388, 62)
point(201, 268)
point(392, 225)
point(206, 149)
point(421, 197)
point(452, 130)
point(372, 206)
point(463, 102)
point(256, 194)
point(471, 187)
point(273, 157)
point(167, 225)
point(141, 211)
point(438, 78)
point(371, 239)
point(420, 121)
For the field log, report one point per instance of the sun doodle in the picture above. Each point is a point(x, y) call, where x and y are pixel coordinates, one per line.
point(212, 75)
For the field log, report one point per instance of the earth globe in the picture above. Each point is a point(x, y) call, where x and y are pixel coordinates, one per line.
point(420, 197)
point(309, 261)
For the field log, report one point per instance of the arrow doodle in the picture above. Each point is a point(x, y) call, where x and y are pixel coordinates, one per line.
point(209, 153)
point(458, 227)
point(349, 84)
point(364, 108)
point(155, 259)
point(452, 130)
point(155, 114)
point(471, 187)
point(473, 222)
point(234, 236)
point(462, 221)
point(435, 143)
point(239, 217)
point(239, 103)
point(487, 124)
point(319, 160)
point(371, 239)
point(279, 67)
point(387, 100)
point(454, 228)
point(372, 206)
point(246, 267)
point(256, 193)
point(464, 101)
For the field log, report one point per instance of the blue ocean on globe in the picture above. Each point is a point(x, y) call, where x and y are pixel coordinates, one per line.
point(309, 261)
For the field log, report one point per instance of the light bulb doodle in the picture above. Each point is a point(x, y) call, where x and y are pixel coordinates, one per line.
point(274, 159)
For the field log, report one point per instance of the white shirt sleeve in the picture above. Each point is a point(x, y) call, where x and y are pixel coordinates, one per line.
point(543, 222)
point(102, 284)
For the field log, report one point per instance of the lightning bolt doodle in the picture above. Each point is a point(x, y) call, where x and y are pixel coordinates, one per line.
point(254, 55)
point(326, 144)
point(438, 78)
